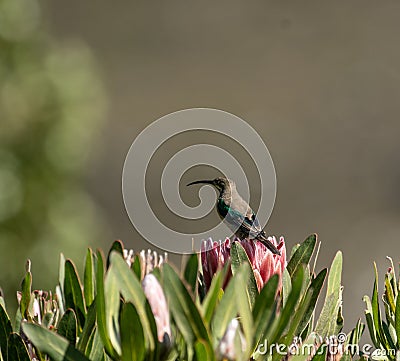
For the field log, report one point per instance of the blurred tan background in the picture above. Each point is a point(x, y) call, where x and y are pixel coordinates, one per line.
point(319, 82)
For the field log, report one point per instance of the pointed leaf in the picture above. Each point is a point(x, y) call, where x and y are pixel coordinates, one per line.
point(238, 257)
point(314, 289)
point(370, 322)
point(112, 298)
point(288, 311)
point(203, 350)
point(101, 308)
point(225, 311)
point(376, 314)
point(327, 322)
point(213, 295)
point(355, 335)
point(132, 336)
point(131, 290)
point(183, 308)
point(302, 255)
point(117, 247)
point(16, 348)
point(265, 307)
point(67, 326)
point(88, 327)
point(191, 271)
point(26, 293)
point(57, 347)
point(243, 307)
point(320, 355)
point(136, 267)
point(5, 331)
point(73, 292)
point(294, 323)
point(89, 277)
point(286, 285)
point(96, 348)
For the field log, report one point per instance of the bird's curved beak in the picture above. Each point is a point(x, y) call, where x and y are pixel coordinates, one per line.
point(201, 182)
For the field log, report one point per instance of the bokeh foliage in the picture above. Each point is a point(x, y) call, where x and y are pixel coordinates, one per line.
point(52, 103)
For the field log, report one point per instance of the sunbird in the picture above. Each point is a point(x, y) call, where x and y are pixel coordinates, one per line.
point(235, 211)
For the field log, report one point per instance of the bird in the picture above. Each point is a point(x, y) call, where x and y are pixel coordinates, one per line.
point(237, 213)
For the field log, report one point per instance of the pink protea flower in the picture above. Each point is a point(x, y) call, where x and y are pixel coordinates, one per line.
point(155, 295)
point(214, 255)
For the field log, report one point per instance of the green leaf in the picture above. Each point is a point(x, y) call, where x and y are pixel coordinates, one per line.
point(294, 249)
point(294, 324)
point(153, 331)
point(302, 255)
point(307, 347)
point(16, 348)
point(243, 307)
point(97, 348)
point(314, 290)
point(376, 314)
point(5, 331)
point(87, 328)
point(238, 257)
point(320, 355)
point(101, 308)
point(213, 295)
point(370, 322)
point(327, 322)
point(225, 311)
point(184, 310)
point(89, 277)
point(203, 350)
point(60, 299)
point(117, 247)
point(112, 298)
point(286, 286)
point(391, 345)
point(132, 336)
point(73, 292)
point(265, 307)
point(355, 335)
point(131, 290)
point(389, 294)
point(191, 271)
point(48, 342)
point(67, 326)
point(397, 320)
point(26, 287)
point(288, 311)
point(136, 267)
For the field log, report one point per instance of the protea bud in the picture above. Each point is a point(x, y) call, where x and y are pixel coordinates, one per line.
point(214, 255)
point(155, 295)
point(43, 308)
point(148, 260)
point(226, 348)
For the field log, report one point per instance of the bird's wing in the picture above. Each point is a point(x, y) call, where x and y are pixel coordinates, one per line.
point(247, 223)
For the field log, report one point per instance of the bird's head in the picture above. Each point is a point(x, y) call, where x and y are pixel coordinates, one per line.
point(220, 183)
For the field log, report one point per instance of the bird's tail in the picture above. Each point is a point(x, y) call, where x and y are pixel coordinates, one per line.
point(267, 243)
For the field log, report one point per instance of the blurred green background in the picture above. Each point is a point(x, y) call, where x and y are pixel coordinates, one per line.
point(320, 82)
